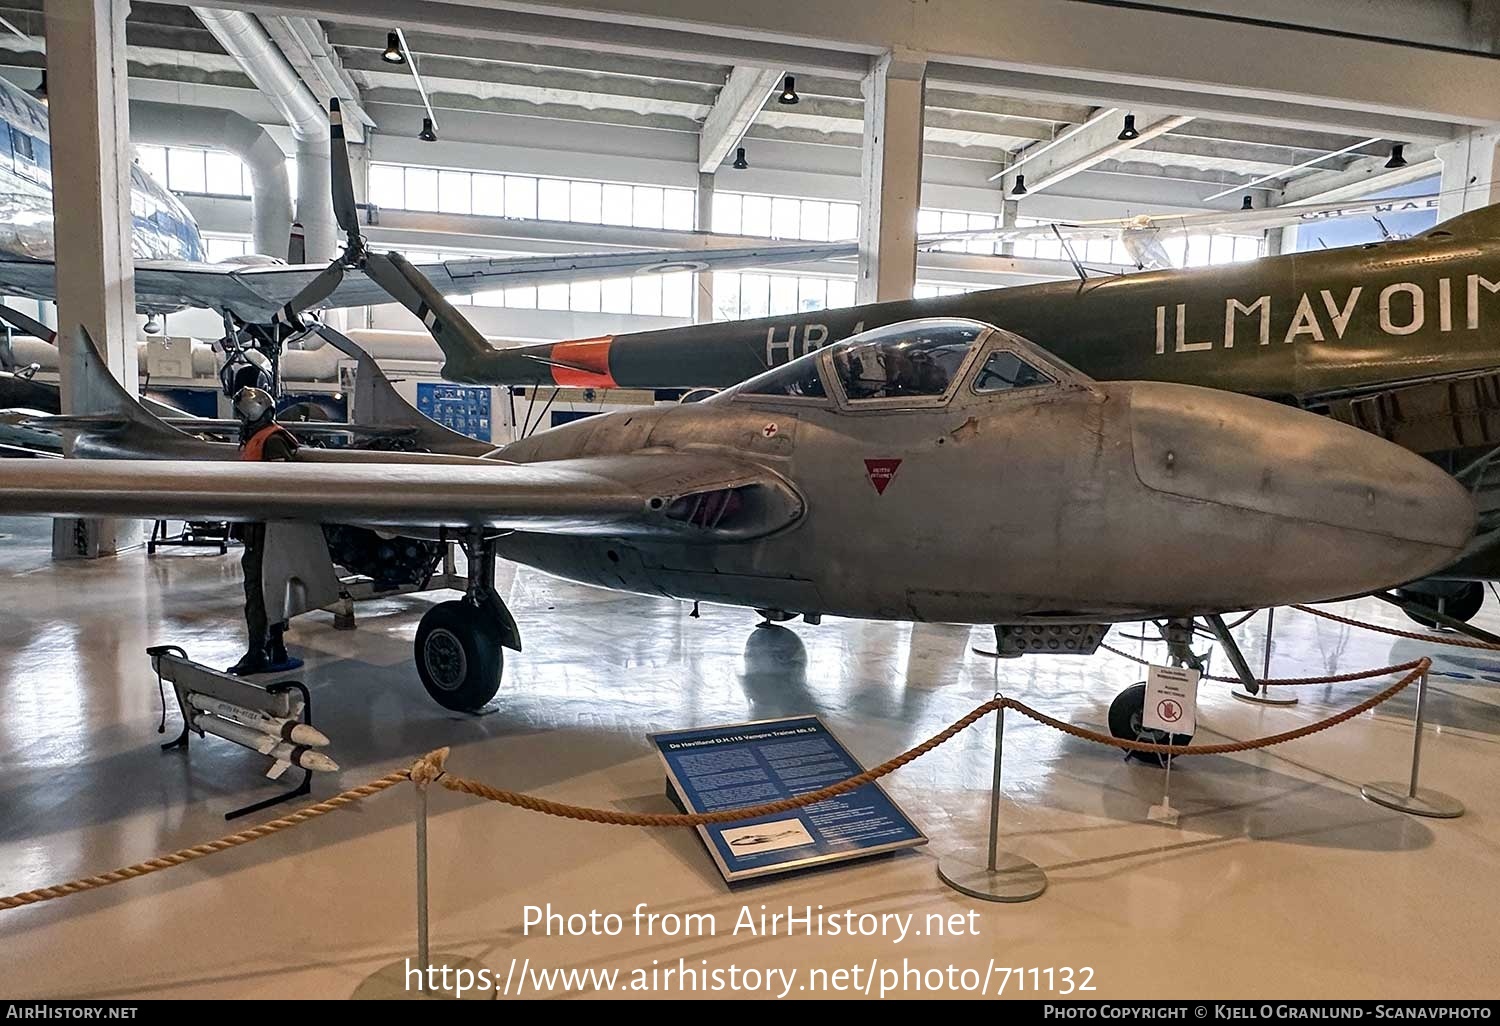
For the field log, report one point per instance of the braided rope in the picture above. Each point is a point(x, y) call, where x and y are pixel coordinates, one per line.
point(533, 803)
point(614, 817)
point(1412, 635)
point(1337, 678)
point(185, 855)
point(429, 769)
point(1418, 669)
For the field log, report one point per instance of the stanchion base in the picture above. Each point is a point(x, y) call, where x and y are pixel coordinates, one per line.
point(1426, 802)
point(390, 982)
point(1014, 878)
point(1263, 697)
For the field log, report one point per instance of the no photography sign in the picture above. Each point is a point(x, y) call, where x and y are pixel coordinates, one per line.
point(1171, 700)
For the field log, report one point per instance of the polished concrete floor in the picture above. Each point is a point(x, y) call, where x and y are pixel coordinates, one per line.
point(1278, 881)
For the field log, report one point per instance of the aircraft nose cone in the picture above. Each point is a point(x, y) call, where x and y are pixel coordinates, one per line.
point(1332, 510)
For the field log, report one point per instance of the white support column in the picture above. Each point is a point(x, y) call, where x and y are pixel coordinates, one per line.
point(703, 281)
point(895, 101)
point(1009, 210)
point(90, 138)
point(1471, 173)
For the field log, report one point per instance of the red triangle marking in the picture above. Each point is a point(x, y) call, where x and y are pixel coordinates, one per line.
point(880, 473)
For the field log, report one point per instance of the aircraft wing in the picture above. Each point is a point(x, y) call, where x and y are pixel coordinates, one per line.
point(661, 494)
point(256, 292)
point(1209, 222)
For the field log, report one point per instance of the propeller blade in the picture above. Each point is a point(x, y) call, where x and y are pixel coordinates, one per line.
point(311, 294)
point(343, 182)
point(409, 287)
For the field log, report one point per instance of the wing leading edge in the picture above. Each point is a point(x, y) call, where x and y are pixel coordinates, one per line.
point(255, 293)
point(659, 494)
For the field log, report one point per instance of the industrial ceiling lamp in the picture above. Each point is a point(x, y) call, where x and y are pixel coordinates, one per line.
point(788, 91)
point(427, 134)
point(1398, 157)
point(1245, 204)
point(393, 54)
point(740, 163)
point(1019, 189)
point(1129, 132)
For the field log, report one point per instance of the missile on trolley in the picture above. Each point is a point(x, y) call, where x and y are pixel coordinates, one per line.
point(294, 731)
point(285, 753)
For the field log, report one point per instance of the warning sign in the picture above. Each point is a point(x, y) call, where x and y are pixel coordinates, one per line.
point(880, 473)
point(1171, 700)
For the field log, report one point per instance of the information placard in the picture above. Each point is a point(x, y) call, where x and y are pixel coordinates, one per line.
point(748, 764)
point(463, 408)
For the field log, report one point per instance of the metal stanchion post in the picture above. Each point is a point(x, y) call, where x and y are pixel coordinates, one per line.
point(1419, 801)
point(423, 957)
point(1263, 695)
point(410, 978)
point(1003, 875)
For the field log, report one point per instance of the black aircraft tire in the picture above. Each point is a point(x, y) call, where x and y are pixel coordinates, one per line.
point(1125, 723)
point(1464, 605)
point(459, 656)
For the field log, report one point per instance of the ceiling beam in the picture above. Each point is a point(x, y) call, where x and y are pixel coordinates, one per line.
point(1084, 146)
point(745, 92)
point(1284, 112)
point(1365, 176)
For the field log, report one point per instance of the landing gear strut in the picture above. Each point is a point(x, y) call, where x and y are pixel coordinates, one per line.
point(459, 645)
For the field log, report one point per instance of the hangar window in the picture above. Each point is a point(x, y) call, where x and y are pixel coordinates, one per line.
point(745, 294)
point(904, 361)
point(195, 170)
point(784, 217)
point(1004, 371)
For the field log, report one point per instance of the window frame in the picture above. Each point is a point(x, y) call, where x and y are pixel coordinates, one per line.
point(1003, 345)
point(964, 372)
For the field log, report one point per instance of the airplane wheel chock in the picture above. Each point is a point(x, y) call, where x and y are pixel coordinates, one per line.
point(459, 655)
point(1125, 723)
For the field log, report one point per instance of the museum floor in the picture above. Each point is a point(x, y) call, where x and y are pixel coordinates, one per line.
point(1280, 880)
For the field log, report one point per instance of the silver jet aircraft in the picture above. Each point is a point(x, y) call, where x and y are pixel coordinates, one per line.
point(933, 470)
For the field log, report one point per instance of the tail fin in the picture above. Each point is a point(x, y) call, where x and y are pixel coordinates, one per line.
point(378, 404)
point(108, 422)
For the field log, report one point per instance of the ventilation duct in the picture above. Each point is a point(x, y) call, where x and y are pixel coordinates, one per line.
point(165, 124)
point(243, 38)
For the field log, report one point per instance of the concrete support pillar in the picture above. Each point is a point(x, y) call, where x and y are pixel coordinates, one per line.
point(1009, 210)
point(90, 138)
point(703, 310)
point(895, 98)
point(1471, 173)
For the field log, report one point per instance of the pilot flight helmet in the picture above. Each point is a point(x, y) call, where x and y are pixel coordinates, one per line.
point(253, 405)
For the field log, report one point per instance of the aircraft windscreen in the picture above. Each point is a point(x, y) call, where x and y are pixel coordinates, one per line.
point(910, 360)
point(798, 379)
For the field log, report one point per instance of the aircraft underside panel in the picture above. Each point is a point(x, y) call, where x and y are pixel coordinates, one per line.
point(1430, 416)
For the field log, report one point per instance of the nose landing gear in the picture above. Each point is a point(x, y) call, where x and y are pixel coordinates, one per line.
point(1126, 712)
point(459, 644)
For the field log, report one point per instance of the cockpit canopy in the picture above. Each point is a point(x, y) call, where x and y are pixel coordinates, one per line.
point(919, 361)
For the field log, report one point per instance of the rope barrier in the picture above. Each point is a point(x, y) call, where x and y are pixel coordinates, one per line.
point(185, 855)
point(1337, 678)
point(430, 769)
point(1411, 635)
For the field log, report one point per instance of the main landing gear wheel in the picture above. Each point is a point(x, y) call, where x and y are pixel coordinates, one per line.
point(459, 655)
point(1463, 603)
point(1125, 714)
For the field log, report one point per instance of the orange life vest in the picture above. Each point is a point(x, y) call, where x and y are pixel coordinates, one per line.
point(254, 449)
